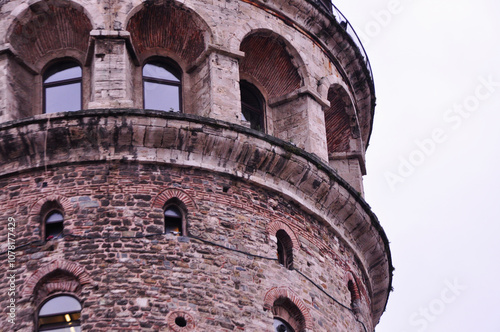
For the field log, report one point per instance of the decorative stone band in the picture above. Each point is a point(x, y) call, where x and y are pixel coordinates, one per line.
point(183, 140)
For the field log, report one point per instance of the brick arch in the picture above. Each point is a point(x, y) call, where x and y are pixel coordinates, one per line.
point(162, 198)
point(277, 293)
point(157, 26)
point(59, 265)
point(273, 227)
point(340, 120)
point(272, 62)
point(50, 26)
point(356, 291)
point(64, 202)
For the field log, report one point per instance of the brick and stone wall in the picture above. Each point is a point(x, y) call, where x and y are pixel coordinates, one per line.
point(111, 173)
point(133, 279)
point(112, 168)
point(294, 52)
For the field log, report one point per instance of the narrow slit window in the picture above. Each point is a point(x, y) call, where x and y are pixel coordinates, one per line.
point(252, 106)
point(285, 249)
point(173, 220)
point(54, 225)
point(61, 313)
point(162, 87)
point(62, 88)
point(354, 292)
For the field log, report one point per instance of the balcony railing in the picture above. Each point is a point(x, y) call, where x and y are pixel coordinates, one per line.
point(346, 25)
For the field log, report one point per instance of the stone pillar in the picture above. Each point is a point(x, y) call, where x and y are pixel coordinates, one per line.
point(5, 93)
point(112, 80)
point(18, 98)
point(298, 118)
point(224, 88)
point(351, 167)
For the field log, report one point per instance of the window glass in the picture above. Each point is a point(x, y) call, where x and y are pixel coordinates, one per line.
point(157, 71)
point(61, 313)
point(173, 220)
point(161, 97)
point(54, 226)
point(281, 326)
point(64, 74)
point(162, 87)
point(62, 88)
point(63, 98)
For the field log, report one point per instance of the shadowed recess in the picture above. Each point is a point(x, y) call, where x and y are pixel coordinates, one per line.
point(267, 60)
point(338, 128)
point(165, 26)
point(50, 26)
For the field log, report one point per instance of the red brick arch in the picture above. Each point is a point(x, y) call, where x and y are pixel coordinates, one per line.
point(272, 62)
point(277, 293)
point(50, 26)
point(162, 198)
point(64, 202)
point(273, 227)
point(59, 265)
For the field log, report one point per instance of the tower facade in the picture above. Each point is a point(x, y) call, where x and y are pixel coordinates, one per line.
point(186, 166)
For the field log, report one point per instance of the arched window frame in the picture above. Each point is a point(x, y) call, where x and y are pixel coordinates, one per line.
point(177, 205)
point(257, 111)
point(58, 67)
point(47, 215)
point(288, 312)
point(284, 249)
point(71, 318)
point(171, 67)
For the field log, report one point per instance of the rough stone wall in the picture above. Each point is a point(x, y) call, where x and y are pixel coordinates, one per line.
point(137, 280)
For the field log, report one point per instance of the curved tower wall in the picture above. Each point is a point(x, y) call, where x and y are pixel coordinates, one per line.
point(112, 169)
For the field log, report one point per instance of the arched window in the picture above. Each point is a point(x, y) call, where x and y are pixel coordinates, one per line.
point(355, 298)
point(54, 225)
point(173, 220)
point(252, 106)
point(285, 249)
point(60, 313)
point(281, 326)
point(162, 86)
point(62, 87)
point(287, 316)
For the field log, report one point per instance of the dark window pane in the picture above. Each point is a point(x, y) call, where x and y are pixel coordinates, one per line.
point(173, 220)
point(63, 98)
point(64, 74)
point(54, 226)
point(155, 71)
point(163, 97)
point(252, 106)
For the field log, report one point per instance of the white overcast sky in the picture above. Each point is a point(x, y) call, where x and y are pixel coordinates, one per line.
point(433, 158)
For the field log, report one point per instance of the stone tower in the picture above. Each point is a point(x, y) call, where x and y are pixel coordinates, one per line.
point(191, 165)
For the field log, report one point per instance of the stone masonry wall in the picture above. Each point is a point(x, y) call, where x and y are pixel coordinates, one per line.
point(137, 280)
